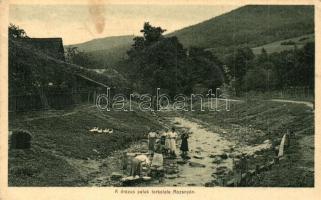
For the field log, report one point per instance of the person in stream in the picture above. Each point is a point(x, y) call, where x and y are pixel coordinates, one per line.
point(152, 136)
point(172, 145)
point(137, 164)
point(163, 138)
point(184, 144)
point(158, 160)
point(167, 141)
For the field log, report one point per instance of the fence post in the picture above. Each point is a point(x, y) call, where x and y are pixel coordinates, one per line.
point(94, 97)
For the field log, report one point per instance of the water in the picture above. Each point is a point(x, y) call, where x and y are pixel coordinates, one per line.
point(202, 143)
point(205, 143)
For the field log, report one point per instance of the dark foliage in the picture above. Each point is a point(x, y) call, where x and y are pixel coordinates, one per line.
point(16, 32)
point(159, 62)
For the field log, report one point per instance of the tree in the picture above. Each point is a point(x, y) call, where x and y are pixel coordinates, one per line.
point(70, 53)
point(151, 58)
point(238, 64)
point(263, 57)
point(307, 66)
point(159, 65)
point(75, 56)
point(152, 34)
point(16, 32)
point(259, 79)
point(158, 61)
point(204, 68)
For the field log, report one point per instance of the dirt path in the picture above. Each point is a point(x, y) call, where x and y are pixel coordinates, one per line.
point(307, 103)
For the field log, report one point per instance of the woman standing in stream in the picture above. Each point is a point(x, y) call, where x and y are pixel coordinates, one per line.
point(172, 147)
point(184, 144)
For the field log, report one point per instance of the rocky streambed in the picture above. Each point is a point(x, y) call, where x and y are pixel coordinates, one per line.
point(211, 160)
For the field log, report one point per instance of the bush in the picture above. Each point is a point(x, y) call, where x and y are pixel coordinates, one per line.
point(20, 139)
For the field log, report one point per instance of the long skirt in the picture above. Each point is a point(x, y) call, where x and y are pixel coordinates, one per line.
point(184, 145)
point(168, 143)
point(162, 140)
point(157, 161)
point(173, 145)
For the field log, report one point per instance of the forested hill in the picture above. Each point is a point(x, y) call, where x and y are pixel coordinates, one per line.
point(252, 25)
point(105, 43)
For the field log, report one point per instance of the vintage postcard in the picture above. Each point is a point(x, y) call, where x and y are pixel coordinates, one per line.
point(159, 99)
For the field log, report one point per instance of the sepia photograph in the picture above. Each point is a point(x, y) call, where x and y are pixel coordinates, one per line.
point(161, 95)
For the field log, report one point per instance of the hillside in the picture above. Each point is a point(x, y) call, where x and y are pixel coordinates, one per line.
point(106, 52)
point(252, 25)
point(287, 44)
point(108, 58)
point(104, 43)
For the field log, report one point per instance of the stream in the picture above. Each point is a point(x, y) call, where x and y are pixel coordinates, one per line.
point(202, 144)
point(205, 150)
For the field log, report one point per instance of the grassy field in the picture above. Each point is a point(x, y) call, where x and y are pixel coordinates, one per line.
point(278, 47)
point(65, 134)
point(253, 122)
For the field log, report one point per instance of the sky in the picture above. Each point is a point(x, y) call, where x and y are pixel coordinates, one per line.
point(80, 23)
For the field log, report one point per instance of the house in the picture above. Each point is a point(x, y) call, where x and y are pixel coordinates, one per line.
point(48, 81)
point(53, 47)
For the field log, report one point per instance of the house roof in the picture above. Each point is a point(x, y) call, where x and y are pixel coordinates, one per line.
point(91, 80)
point(50, 46)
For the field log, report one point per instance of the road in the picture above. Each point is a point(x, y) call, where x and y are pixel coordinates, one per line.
point(307, 103)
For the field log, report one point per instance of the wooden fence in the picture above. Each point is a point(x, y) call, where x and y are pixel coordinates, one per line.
point(296, 92)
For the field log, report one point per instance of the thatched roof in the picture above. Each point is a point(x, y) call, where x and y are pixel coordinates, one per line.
point(50, 46)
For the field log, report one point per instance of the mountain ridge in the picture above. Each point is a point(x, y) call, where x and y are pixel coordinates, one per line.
point(250, 25)
point(103, 43)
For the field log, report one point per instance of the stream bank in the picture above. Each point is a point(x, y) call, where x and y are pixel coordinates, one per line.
point(211, 159)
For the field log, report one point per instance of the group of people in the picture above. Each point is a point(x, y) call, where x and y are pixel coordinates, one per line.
point(160, 144)
point(165, 142)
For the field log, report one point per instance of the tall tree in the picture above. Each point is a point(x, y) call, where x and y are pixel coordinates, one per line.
point(204, 68)
point(158, 61)
point(16, 32)
point(238, 64)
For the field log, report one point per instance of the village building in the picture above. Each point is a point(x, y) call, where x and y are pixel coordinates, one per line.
point(45, 57)
point(49, 46)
